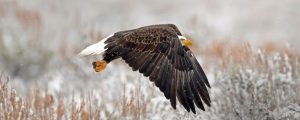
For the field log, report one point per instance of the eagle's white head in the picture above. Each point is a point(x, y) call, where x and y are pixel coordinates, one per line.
point(185, 41)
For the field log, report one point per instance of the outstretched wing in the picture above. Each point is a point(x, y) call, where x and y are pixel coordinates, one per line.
point(158, 54)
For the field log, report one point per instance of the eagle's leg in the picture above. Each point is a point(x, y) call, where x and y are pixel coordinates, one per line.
point(99, 65)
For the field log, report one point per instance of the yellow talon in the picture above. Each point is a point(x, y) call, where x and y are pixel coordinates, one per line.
point(99, 65)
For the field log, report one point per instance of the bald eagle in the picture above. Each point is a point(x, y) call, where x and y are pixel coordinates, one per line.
point(161, 53)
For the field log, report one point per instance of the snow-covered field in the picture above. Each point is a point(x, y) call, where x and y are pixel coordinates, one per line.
point(249, 50)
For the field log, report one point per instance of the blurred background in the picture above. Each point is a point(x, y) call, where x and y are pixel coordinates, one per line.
point(40, 40)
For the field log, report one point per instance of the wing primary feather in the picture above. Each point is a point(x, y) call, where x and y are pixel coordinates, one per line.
point(163, 80)
point(133, 62)
point(147, 58)
point(202, 89)
point(141, 59)
point(130, 56)
point(188, 92)
point(173, 88)
point(197, 99)
point(160, 77)
point(169, 81)
point(180, 92)
point(166, 85)
point(156, 74)
point(153, 64)
point(198, 68)
point(146, 64)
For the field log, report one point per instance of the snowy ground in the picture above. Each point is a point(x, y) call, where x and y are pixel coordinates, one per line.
point(39, 42)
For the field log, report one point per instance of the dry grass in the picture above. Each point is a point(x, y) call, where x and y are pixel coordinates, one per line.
point(262, 83)
point(259, 83)
point(41, 106)
point(46, 107)
point(259, 58)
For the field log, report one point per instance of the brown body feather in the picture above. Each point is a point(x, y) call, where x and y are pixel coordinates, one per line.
point(156, 52)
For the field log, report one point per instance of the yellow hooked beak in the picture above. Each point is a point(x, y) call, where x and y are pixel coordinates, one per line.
point(186, 42)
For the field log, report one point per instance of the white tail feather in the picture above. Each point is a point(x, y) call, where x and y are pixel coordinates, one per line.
point(97, 48)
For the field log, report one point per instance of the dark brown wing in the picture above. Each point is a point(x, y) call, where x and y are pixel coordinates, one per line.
point(158, 54)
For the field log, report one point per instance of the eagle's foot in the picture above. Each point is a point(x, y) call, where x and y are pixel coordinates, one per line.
point(99, 65)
